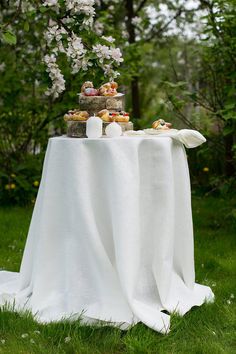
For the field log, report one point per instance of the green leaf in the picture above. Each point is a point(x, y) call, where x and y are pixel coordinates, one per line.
point(230, 106)
point(228, 131)
point(26, 26)
point(186, 93)
point(175, 85)
point(9, 37)
point(43, 9)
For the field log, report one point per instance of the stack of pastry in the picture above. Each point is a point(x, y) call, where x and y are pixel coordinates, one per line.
point(107, 89)
point(104, 102)
point(107, 116)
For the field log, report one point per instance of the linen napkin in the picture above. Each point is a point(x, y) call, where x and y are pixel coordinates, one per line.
point(190, 138)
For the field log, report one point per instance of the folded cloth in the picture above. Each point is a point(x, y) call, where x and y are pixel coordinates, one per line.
point(190, 138)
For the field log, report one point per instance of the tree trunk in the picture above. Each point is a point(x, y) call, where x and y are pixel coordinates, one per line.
point(229, 159)
point(135, 98)
point(136, 111)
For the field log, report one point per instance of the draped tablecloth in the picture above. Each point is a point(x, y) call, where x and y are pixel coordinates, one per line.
point(111, 235)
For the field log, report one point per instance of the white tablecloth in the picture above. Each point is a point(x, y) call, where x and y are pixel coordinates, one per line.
point(111, 235)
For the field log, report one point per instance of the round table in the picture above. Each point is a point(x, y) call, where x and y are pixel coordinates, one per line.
point(111, 235)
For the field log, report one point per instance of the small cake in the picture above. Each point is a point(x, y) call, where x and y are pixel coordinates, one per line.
point(120, 116)
point(108, 89)
point(104, 115)
point(87, 89)
point(76, 115)
point(107, 116)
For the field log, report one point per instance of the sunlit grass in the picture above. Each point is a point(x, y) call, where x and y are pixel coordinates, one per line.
point(206, 329)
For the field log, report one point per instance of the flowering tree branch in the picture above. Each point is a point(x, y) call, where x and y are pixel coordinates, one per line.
point(156, 32)
point(14, 17)
point(71, 33)
point(141, 5)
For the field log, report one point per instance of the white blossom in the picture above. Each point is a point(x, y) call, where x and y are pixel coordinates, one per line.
point(88, 22)
point(109, 39)
point(25, 5)
point(102, 52)
point(111, 8)
point(85, 7)
point(76, 54)
point(54, 32)
point(111, 1)
point(50, 3)
point(2, 67)
point(136, 20)
point(58, 82)
point(108, 71)
point(67, 20)
point(81, 6)
point(98, 28)
point(125, 34)
point(116, 55)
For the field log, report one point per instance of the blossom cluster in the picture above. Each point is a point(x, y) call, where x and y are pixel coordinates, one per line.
point(75, 7)
point(58, 81)
point(81, 6)
point(104, 52)
point(54, 32)
point(62, 37)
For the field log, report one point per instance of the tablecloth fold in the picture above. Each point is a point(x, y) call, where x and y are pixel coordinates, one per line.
point(111, 236)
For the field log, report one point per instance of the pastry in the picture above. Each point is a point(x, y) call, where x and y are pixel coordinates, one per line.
point(161, 124)
point(107, 116)
point(119, 116)
point(114, 87)
point(90, 91)
point(86, 85)
point(76, 115)
point(104, 115)
point(108, 89)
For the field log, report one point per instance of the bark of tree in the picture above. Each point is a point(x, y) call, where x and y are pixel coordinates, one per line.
point(135, 97)
point(229, 158)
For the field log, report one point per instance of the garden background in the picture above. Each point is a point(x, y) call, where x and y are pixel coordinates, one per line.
point(179, 64)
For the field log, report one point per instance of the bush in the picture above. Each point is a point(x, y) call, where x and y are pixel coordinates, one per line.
point(19, 183)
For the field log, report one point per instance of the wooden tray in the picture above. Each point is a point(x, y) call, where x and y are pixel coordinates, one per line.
point(77, 129)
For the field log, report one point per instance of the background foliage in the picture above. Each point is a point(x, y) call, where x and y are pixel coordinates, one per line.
point(179, 64)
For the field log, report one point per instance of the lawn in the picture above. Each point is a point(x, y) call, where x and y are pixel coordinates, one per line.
point(206, 329)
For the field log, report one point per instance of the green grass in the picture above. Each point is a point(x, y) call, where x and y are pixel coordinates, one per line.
point(206, 329)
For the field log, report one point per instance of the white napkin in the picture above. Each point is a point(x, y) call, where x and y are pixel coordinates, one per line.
point(190, 138)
